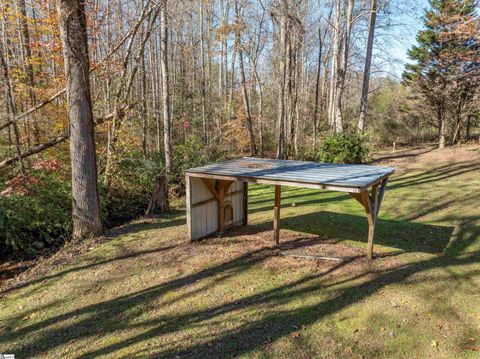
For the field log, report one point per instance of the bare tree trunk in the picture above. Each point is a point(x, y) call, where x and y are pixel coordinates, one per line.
point(159, 201)
point(293, 98)
point(468, 128)
point(342, 69)
point(156, 76)
point(86, 206)
point(166, 90)
point(11, 107)
point(25, 38)
point(442, 127)
point(246, 102)
point(283, 79)
point(334, 65)
point(260, 109)
point(222, 50)
point(232, 75)
point(225, 57)
point(368, 63)
point(144, 111)
point(317, 89)
point(202, 55)
point(456, 138)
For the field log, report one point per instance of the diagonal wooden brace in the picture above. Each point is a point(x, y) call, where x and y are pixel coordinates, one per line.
point(371, 203)
point(219, 188)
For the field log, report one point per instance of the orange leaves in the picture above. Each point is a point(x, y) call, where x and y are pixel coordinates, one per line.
point(47, 165)
point(224, 30)
point(235, 134)
point(19, 185)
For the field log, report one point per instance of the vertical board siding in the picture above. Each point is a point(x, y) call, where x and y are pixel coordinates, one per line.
point(203, 219)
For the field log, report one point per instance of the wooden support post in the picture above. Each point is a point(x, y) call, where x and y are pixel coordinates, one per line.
point(210, 184)
point(276, 214)
point(371, 203)
point(245, 203)
point(219, 189)
point(222, 188)
point(188, 194)
point(368, 204)
point(381, 191)
point(221, 209)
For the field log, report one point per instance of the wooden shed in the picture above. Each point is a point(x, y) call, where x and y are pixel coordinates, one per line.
point(217, 194)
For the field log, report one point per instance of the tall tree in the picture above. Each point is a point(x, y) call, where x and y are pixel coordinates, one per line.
point(446, 62)
point(73, 33)
point(282, 23)
point(342, 65)
point(11, 106)
point(246, 100)
point(27, 55)
point(368, 64)
point(166, 89)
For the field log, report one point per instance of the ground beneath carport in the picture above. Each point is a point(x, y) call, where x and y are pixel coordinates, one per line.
point(145, 291)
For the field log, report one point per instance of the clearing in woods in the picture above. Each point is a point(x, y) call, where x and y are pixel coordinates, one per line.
point(145, 291)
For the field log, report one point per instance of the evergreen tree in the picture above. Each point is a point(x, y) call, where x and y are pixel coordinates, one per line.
point(446, 63)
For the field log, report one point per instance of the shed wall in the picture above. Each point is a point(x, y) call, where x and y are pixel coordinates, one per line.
point(202, 208)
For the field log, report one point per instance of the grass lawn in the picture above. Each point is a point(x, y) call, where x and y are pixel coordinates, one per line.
point(145, 291)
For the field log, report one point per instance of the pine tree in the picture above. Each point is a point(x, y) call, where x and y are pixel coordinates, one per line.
point(446, 63)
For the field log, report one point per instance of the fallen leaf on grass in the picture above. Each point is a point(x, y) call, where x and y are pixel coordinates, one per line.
point(473, 347)
point(434, 344)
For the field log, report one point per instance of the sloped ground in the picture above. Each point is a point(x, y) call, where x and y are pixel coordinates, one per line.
point(145, 291)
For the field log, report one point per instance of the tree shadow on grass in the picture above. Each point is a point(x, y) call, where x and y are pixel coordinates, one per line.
point(434, 174)
point(90, 265)
point(277, 324)
point(405, 235)
point(103, 318)
point(120, 314)
point(172, 219)
point(406, 153)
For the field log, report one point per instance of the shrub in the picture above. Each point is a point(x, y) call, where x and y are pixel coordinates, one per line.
point(343, 148)
point(131, 189)
point(39, 208)
point(35, 209)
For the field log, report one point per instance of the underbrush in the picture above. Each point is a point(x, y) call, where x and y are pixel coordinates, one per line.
point(35, 211)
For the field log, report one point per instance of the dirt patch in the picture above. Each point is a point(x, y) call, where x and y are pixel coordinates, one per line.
point(18, 271)
point(452, 154)
point(428, 154)
point(248, 244)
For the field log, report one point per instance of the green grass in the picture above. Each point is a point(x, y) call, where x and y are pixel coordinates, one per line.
point(145, 291)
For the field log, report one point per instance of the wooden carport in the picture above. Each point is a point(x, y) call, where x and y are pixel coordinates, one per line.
point(217, 194)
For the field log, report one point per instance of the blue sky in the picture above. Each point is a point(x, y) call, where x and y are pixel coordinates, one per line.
point(403, 32)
